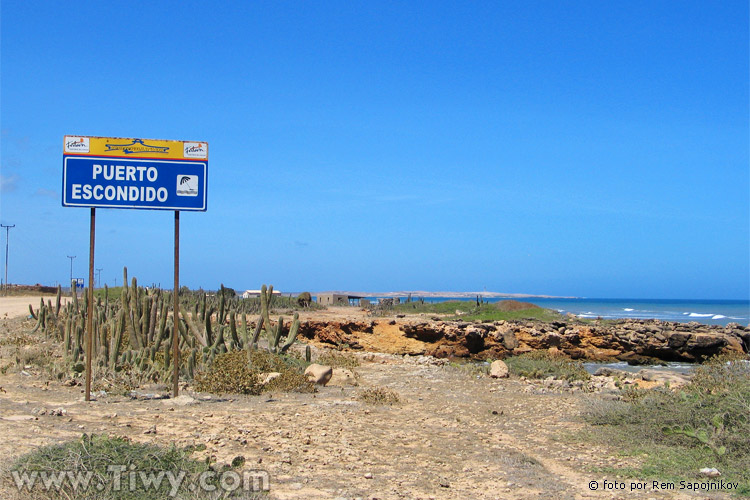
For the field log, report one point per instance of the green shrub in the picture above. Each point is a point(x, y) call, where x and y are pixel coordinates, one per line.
point(705, 422)
point(543, 364)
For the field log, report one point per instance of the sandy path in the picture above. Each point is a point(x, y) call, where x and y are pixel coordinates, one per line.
point(13, 307)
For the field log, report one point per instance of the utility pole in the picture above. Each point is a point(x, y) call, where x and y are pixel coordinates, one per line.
point(71, 257)
point(7, 230)
point(99, 276)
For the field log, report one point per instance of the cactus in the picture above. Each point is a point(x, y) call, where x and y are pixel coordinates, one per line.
point(708, 436)
point(115, 339)
point(162, 323)
point(183, 331)
point(152, 318)
point(265, 303)
point(74, 294)
point(209, 329)
point(167, 351)
point(194, 328)
point(233, 329)
point(245, 333)
point(308, 354)
point(220, 318)
point(292, 335)
point(219, 338)
point(58, 300)
point(125, 302)
point(277, 334)
point(256, 334)
point(66, 338)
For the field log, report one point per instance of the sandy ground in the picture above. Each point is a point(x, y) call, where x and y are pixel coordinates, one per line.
point(452, 436)
point(12, 307)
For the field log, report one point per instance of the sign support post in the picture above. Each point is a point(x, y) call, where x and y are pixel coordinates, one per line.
point(176, 329)
point(90, 311)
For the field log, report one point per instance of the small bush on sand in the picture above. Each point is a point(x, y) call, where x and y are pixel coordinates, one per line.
point(336, 359)
point(262, 361)
point(229, 373)
point(543, 364)
point(233, 373)
point(93, 456)
point(290, 381)
point(379, 396)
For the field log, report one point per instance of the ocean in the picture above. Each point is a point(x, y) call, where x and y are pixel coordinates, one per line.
point(711, 312)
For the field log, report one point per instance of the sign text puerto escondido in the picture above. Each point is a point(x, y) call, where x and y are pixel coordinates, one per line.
point(111, 172)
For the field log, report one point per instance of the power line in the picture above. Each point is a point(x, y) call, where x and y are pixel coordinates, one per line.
point(7, 234)
point(71, 257)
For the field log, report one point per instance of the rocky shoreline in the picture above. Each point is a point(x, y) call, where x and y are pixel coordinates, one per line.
point(634, 341)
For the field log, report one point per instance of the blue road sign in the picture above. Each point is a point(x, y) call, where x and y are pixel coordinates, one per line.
point(115, 182)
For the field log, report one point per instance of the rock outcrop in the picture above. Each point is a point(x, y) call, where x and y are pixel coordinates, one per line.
point(634, 341)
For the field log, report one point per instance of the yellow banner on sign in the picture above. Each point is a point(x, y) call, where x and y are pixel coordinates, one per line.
point(135, 148)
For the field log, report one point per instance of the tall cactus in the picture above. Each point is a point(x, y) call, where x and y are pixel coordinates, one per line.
point(292, 335)
point(128, 313)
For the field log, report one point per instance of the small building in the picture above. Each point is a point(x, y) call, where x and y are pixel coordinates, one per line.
point(337, 299)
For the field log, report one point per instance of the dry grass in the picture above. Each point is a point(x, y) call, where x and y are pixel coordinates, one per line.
point(379, 396)
point(230, 373)
point(543, 364)
point(336, 359)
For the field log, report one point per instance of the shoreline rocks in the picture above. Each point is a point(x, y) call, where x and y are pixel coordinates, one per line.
point(633, 341)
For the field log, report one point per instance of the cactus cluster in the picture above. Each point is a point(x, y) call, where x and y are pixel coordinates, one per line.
point(134, 332)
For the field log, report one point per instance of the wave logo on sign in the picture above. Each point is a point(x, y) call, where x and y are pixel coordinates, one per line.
point(137, 146)
point(187, 185)
point(76, 144)
point(196, 150)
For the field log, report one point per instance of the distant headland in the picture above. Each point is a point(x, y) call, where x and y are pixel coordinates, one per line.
point(452, 295)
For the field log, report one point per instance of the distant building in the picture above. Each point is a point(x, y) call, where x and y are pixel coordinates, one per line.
point(248, 294)
point(337, 299)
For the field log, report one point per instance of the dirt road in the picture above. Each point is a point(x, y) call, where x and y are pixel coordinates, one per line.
point(13, 307)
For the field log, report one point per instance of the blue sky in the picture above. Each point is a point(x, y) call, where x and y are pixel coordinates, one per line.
point(579, 148)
